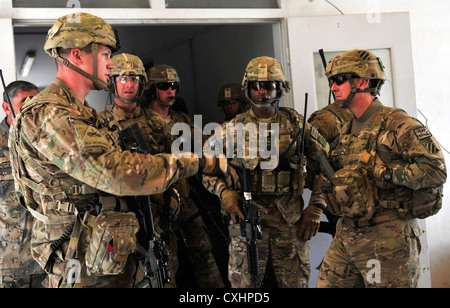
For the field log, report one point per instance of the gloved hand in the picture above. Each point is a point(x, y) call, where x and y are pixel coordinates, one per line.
point(170, 198)
point(309, 222)
point(210, 165)
point(231, 201)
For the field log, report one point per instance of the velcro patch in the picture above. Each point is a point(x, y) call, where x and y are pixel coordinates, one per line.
point(431, 147)
point(422, 133)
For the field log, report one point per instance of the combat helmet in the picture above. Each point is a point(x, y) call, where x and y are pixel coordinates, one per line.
point(160, 73)
point(265, 69)
point(231, 91)
point(126, 64)
point(78, 30)
point(357, 63)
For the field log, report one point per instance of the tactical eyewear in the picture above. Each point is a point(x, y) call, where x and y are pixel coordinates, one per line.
point(267, 85)
point(164, 86)
point(340, 79)
point(125, 79)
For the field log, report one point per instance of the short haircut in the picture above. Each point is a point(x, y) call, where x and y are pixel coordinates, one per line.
point(18, 85)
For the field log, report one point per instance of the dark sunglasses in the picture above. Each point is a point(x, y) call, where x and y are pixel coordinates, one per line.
point(267, 85)
point(340, 79)
point(164, 86)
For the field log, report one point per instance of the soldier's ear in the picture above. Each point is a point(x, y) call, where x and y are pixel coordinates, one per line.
point(5, 107)
point(364, 83)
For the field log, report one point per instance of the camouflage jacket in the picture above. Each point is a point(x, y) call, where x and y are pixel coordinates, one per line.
point(389, 137)
point(155, 131)
point(280, 195)
point(15, 222)
point(330, 120)
point(63, 154)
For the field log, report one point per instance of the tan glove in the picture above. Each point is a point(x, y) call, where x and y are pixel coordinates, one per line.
point(210, 165)
point(309, 222)
point(231, 200)
point(169, 198)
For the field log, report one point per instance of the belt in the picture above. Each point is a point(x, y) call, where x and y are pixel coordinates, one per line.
point(376, 219)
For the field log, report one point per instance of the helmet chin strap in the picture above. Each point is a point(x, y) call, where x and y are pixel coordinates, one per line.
point(98, 84)
point(345, 103)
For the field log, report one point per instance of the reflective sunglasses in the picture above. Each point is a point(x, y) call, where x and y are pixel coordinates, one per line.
point(164, 86)
point(267, 85)
point(125, 79)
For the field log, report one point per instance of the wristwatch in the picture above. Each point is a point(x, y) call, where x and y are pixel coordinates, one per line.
point(387, 175)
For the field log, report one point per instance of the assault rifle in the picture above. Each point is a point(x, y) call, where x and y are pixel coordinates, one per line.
point(152, 250)
point(251, 229)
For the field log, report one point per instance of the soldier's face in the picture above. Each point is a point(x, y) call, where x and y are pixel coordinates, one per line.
point(167, 97)
point(104, 63)
point(341, 91)
point(17, 101)
point(127, 86)
point(231, 107)
point(261, 92)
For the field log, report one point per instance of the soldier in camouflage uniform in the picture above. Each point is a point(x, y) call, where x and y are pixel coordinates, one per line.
point(231, 100)
point(163, 84)
point(389, 171)
point(276, 182)
point(17, 267)
point(129, 81)
point(68, 168)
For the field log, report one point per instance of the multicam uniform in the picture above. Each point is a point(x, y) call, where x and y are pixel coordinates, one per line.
point(377, 239)
point(17, 267)
point(206, 271)
point(66, 163)
point(156, 135)
point(276, 189)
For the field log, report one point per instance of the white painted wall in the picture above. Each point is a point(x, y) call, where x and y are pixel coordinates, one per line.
point(430, 33)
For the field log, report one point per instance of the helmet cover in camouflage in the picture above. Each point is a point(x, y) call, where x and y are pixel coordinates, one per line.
point(362, 63)
point(128, 64)
point(162, 73)
point(78, 30)
point(231, 91)
point(264, 69)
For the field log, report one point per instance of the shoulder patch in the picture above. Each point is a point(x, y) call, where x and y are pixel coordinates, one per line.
point(422, 133)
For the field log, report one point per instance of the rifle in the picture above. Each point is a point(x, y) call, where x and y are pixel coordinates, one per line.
point(251, 229)
point(152, 250)
point(7, 96)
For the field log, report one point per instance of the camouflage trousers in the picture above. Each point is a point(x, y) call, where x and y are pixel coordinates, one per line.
point(281, 247)
point(385, 255)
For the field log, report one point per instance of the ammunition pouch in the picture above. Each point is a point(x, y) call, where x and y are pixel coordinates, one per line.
point(353, 193)
point(113, 240)
point(276, 182)
point(421, 203)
